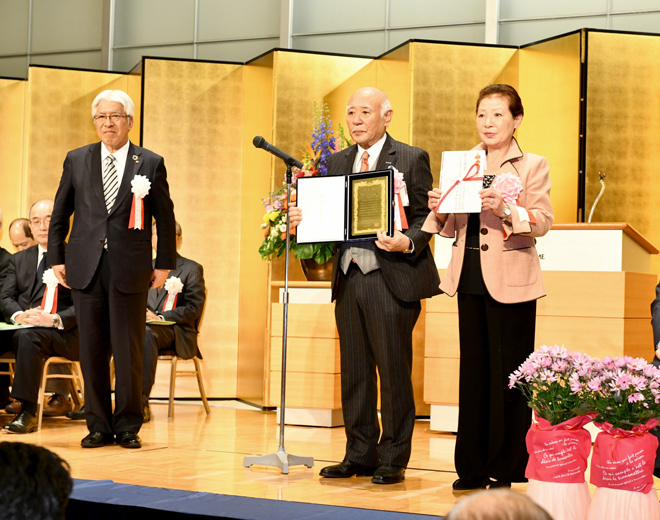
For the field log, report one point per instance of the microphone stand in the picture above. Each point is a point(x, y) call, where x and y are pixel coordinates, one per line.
point(281, 459)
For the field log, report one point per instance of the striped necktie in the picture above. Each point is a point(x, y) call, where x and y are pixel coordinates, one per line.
point(110, 182)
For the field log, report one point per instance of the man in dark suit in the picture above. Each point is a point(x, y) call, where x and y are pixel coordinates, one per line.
point(186, 314)
point(20, 235)
point(54, 333)
point(377, 287)
point(5, 260)
point(108, 262)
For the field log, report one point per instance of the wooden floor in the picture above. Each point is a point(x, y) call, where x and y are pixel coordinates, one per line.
point(197, 452)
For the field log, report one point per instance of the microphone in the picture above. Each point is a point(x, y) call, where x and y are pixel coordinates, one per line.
point(260, 142)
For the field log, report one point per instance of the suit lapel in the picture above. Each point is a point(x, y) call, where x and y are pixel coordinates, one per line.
point(387, 155)
point(131, 169)
point(94, 171)
point(32, 257)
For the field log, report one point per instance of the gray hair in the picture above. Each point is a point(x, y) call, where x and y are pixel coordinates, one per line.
point(385, 106)
point(498, 504)
point(118, 96)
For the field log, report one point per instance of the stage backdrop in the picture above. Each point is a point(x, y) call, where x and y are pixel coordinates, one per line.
point(202, 117)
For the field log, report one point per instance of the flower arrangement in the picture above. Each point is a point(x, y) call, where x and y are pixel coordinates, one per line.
point(553, 380)
point(314, 161)
point(625, 392)
point(559, 385)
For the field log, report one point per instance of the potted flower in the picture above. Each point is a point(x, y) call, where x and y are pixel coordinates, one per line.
point(554, 381)
point(625, 395)
point(314, 163)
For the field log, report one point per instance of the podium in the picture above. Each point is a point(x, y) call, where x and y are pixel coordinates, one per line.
point(599, 292)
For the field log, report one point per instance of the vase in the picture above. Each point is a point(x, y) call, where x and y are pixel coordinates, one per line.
point(557, 462)
point(316, 272)
point(622, 469)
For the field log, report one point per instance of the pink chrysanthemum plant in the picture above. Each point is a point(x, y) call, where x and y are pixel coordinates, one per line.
point(625, 392)
point(555, 382)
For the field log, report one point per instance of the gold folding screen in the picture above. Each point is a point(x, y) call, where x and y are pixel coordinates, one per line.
point(202, 117)
point(623, 131)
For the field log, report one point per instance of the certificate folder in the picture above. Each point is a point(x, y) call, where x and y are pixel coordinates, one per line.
point(345, 208)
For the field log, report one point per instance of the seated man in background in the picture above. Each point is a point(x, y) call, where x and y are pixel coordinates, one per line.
point(34, 482)
point(54, 332)
point(183, 305)
point(20, 234)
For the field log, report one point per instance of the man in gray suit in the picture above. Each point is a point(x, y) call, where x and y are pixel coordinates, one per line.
point(377, 287)
point(186, 313)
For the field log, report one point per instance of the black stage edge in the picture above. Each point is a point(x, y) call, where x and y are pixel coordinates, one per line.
point(107, 500)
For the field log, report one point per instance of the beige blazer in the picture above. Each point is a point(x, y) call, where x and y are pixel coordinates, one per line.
point(509, 261)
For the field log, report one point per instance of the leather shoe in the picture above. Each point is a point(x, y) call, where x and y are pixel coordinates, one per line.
point(129, 440)
point(24, 422)
point(97, 440)
point(14, 407)
point(346, 470)
point(57, 405)
point(389, 474)
point(77, 415)
point(490, 483)
point(468, 483)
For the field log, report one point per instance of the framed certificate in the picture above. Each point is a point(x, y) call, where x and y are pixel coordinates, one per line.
point(344, 208)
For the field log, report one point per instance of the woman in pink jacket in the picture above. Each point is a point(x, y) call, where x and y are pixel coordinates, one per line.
point(496, 272)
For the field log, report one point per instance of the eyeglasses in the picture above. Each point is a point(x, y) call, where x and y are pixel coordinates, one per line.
point(115, 118)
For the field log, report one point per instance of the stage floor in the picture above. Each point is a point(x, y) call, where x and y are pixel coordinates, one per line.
point(196, 452)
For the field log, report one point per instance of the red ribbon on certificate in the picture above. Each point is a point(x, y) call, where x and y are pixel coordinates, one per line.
point(402, 211)
point(469, 176)
point(137, 214)
point(49, 300)
point(170, 301)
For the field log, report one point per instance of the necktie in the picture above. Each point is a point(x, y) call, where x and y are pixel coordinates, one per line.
point(40, 270)
point(110, 182)
point(364, 167)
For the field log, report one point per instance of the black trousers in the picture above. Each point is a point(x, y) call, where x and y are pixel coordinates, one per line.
point(495, 339)
point(32, 347)
point(375, 331)
point(156, 338)
point(111, 322)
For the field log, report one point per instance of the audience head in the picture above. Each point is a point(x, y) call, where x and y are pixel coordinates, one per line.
point(20, 235)
point(498, 504)
point(113, 111)
point(34, 482)
point(40, 214)
point(154, 236)
point(368, 115)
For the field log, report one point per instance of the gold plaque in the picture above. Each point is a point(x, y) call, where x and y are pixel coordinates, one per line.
point(371, 206)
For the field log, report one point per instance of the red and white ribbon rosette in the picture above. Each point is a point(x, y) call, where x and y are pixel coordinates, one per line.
point(508, 184)
point(140, 186)
point(173, 286)
point(49, 300)
point(401, 192)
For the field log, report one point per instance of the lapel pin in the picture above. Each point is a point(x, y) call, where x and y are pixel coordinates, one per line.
point(135, 158)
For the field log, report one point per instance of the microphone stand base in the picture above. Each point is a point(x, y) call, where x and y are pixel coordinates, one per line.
point(281, 460)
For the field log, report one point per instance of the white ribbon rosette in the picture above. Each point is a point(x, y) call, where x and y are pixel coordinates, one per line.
point(140, 186)
point(49, 300)
point(401, 192)
point(173, 286)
